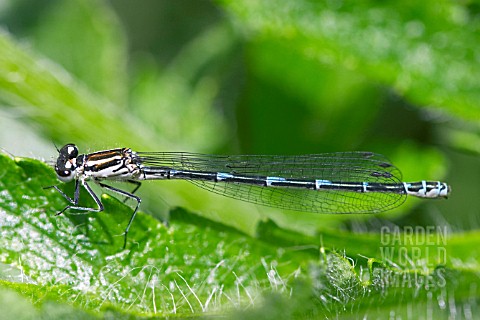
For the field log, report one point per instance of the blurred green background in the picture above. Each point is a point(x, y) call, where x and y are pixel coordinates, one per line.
point(233, 77)
point(267, 77)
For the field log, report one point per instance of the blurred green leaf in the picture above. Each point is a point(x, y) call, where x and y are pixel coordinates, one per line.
point(305, 101)
point(49, 95)
point(425, 51)
point(177, 100)
point(87, 40)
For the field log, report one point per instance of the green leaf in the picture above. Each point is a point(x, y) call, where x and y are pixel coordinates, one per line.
point(181, 269)
point(28, 301)
point(195, 265)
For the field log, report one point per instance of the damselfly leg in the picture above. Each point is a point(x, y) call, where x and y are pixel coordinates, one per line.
point(76, 199)
point(128, 195)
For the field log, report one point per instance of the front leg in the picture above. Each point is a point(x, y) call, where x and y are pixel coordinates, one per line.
point(76, 195)
point(74, 202)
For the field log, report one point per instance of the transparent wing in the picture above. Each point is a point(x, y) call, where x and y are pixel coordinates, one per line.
point(338, 167)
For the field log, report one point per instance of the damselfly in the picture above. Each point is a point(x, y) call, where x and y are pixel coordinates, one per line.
point(343, 182)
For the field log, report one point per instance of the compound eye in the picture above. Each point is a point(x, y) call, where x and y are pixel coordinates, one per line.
point(69, 151)
point(66, 162)
point(64, 175)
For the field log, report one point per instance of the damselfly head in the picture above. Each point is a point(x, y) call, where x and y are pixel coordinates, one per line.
point(66, 162)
